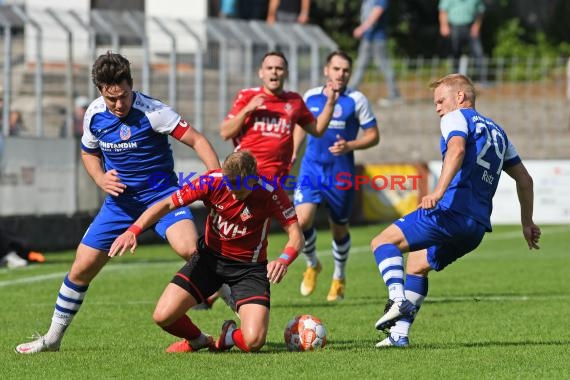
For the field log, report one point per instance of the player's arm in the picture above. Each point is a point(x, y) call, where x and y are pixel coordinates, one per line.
point(525, 194)
point(189, 193)
point(202, 147)
point(128, 239)
point(451, 165)
point(277, 269)
point(368, 138)
point(369, 22)
point(318, 128)
point(232, 126)
point(298, 138)
point(109, 181)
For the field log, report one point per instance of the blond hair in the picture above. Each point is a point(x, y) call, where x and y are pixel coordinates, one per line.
point(458, 82)
point(241, 164)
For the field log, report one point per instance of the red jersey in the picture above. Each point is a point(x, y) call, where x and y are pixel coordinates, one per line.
point(237, 229)
point(268, 132)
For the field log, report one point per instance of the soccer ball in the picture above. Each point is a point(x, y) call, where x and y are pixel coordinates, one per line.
point(305, 333)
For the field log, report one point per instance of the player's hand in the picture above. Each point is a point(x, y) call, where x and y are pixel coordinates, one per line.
point(429, 201)
point(127, 240)
point(276, 270)
point(111, 183)
point(332, 91)
point(339, 147)
point(358, 32)
point(532, 235)
point(255, 103)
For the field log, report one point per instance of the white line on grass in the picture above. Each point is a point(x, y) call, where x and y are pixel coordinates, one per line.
point(358, 249)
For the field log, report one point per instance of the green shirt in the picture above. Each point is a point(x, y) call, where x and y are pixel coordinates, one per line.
point(461, 12)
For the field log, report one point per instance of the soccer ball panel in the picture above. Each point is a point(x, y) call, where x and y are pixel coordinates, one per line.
point(305, 333)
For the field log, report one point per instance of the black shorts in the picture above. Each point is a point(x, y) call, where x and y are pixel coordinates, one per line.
point(205, 274)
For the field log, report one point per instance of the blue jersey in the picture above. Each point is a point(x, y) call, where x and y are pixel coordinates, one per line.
point(487, 152)
point(351, 112)
point(136, 146)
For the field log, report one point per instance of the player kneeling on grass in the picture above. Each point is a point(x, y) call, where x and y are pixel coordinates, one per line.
point(452, 220)
point(233, 251)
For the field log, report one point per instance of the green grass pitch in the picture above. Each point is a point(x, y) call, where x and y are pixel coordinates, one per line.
point(500, 312)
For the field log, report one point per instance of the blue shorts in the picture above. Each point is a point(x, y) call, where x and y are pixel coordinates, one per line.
point(317, 182)
point(115, 217)
point(446, 234)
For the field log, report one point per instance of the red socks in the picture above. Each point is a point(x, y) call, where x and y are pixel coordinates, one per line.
point(183, 327)
point(238, 340)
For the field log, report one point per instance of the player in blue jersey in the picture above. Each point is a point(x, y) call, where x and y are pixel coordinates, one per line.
point(451, 221)
point(325, 158)
point(126, 152)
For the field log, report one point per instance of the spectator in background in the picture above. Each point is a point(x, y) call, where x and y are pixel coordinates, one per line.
point(15, 252)
point(81, 104)
point(14, 119)
point(80, 107)
point(224, 8)
point(252, 9)
point(289, 11)
point(460, 21)
point(373, 36)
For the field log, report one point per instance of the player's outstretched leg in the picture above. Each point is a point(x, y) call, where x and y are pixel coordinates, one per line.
point(68, 302)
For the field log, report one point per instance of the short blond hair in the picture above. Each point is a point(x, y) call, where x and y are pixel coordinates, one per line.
point(457, 82)
point(241, 164)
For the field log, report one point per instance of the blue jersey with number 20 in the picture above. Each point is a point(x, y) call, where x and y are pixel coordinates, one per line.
point(487, 152)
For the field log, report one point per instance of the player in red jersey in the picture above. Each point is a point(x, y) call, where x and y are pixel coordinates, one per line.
point(233, 251)
point(262, 119)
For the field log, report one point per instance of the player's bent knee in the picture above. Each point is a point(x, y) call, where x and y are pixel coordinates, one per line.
point(161, 318)
point(376, 242)
point(187, 253)
point(417, 267)
point(254, 339)
point(254, 343)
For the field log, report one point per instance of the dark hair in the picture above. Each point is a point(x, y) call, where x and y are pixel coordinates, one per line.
point(277, 54)
point(111, 69)
point(339, 53)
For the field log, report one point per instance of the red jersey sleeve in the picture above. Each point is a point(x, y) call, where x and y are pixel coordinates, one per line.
point(282, 208)
point(240, 101)
point(191, 192)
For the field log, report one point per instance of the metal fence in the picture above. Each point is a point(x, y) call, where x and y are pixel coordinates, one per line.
point(195, 66)
point(529, 97)
point(199, 66)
